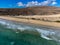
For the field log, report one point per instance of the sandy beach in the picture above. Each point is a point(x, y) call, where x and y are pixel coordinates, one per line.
point(30, 21)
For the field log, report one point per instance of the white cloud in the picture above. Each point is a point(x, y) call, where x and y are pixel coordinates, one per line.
point(45, 3)
point(33, 3)
point(53, 3)
point(20, 4)
point(36, 3)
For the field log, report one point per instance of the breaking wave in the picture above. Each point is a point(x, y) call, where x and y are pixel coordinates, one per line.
point(47, 34)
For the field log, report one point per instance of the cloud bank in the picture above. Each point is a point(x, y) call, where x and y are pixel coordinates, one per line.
point(36, 3)
point(20, 4)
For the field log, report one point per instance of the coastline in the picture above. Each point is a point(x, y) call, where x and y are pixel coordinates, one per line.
point(35, 23)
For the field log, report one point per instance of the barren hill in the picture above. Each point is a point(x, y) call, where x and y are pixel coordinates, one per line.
point(42, 10)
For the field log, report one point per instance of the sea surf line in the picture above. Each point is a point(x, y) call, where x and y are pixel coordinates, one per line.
point(47, 34)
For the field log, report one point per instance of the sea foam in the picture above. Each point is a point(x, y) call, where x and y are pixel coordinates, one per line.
point(47, 34)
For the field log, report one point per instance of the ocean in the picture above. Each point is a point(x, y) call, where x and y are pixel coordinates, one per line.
point(13, 33)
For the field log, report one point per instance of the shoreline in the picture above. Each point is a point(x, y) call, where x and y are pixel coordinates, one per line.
point(35, 23)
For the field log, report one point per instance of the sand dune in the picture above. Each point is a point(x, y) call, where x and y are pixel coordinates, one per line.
point(42, 17)
point(38, 22)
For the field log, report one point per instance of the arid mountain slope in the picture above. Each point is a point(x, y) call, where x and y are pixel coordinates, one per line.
point(42, 10)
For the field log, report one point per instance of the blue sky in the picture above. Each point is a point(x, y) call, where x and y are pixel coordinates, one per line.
point(28, 3)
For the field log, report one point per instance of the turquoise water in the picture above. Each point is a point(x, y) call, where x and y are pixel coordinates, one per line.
point(11, 36)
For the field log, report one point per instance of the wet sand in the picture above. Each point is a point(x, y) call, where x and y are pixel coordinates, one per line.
point(34, 23)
